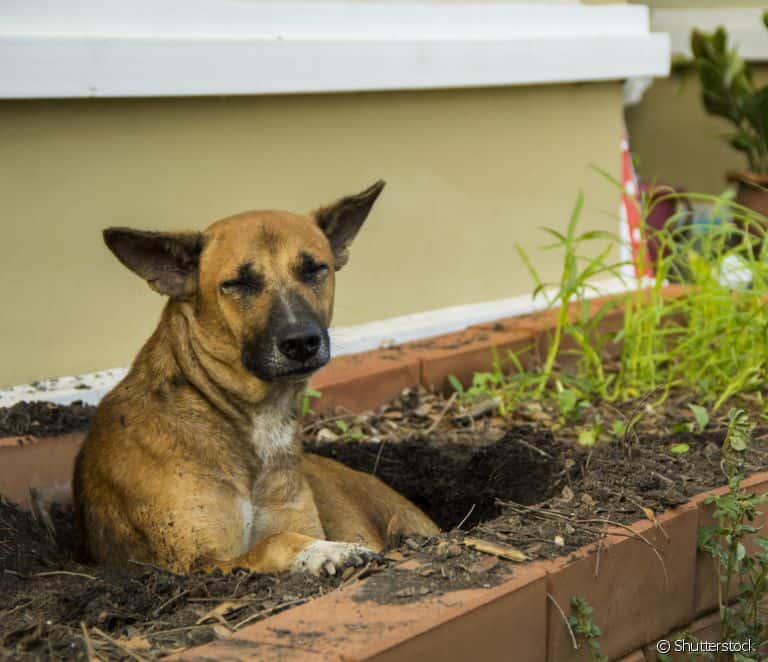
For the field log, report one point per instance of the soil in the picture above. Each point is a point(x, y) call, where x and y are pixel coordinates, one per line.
point(44, 419)
point(458, 482)
point(522, 482)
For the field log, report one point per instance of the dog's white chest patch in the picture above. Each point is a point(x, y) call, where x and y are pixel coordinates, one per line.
point(246, 515)
point(255, 523)
point(271, 435)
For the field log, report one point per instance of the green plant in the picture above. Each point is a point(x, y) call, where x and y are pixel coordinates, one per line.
point(583, 627)
point(729, 91)
point(507, 388)
point(570, 402)
point(735, 513)
point(590, 435)
point(577, 272)
point(708, 341)
point(306, 399)
point(348, 431)
point(701, 416)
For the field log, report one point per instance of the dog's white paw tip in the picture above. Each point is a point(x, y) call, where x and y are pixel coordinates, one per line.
point(327, 557)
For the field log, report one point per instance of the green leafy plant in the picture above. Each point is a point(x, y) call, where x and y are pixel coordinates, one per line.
point(348, 431)
point(570, 402)
point(729, 91)
point(590, 435)
point(583, 627)
point(708, 341)
point(306, 399)
point(701, 416)
point(505, 387)
point(577, 272)
point(734, 514)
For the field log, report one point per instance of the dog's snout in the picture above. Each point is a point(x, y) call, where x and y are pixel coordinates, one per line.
point(301, 344)
point(294, 344)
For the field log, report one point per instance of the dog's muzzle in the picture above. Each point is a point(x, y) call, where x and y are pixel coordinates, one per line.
point(295, 351)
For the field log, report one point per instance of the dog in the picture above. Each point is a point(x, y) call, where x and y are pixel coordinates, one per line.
point(193, 461)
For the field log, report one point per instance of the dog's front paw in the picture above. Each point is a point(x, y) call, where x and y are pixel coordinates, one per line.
point(324, 557)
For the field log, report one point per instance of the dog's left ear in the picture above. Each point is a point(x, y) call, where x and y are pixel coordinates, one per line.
point(166, 260)
point(341, 220)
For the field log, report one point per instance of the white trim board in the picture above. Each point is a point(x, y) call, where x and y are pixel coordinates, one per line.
point(92, 48)
point(90, 388)
point(745, 28)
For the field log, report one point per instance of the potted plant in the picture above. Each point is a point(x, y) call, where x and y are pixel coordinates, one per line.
point(729, 91)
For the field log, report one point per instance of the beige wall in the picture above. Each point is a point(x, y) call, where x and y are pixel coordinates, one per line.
point(469, 174)
point(675, 141)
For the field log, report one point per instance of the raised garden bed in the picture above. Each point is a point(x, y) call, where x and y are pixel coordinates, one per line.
point(615, 524)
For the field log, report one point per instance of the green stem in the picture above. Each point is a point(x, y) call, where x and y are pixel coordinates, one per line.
point(554, 347)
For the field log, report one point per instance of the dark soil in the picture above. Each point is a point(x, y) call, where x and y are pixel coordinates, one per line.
point(47, 594)
point(521, 482)
point(459, 482)
point(44, 419)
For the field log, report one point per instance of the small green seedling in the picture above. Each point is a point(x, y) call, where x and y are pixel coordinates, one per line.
point(456, 385)
point(701, 416)
point(735, 513)
point(683, 426)
point(570, 404)
point(306, 400)
point(583, 627)
point(589, 436)
point(349, 432)
point(679, 449)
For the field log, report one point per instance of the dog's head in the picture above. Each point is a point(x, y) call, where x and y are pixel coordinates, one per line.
point(261, 283)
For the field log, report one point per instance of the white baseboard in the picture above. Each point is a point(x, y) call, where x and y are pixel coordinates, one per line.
point(90, 388)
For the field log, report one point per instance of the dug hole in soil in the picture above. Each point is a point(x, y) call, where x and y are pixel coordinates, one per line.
point(519, 482)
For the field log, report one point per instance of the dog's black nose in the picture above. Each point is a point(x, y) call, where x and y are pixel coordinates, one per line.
point(302, 344)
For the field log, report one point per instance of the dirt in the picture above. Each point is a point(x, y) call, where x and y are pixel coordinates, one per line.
point(44, 419)
point(49, 597)
point(522, 482)
point(458, 482)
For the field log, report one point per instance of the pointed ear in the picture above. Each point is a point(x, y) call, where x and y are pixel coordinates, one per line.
point(341, 220)
point(166, 260)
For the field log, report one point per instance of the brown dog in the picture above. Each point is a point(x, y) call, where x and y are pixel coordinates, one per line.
point(192, 460)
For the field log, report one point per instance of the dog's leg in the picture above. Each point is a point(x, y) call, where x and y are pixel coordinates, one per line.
point(296, 552)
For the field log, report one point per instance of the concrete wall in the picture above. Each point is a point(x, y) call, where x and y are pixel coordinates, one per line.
point(470, 173)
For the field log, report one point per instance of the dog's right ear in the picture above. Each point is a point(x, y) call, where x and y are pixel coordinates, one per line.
point(166, 260)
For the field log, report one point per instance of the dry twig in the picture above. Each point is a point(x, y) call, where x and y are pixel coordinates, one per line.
point(89, 652)
point(565, 620)
point(132, 654)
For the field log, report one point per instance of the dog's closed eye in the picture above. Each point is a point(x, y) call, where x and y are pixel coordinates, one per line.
point(247, 281)
point(310, 270)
